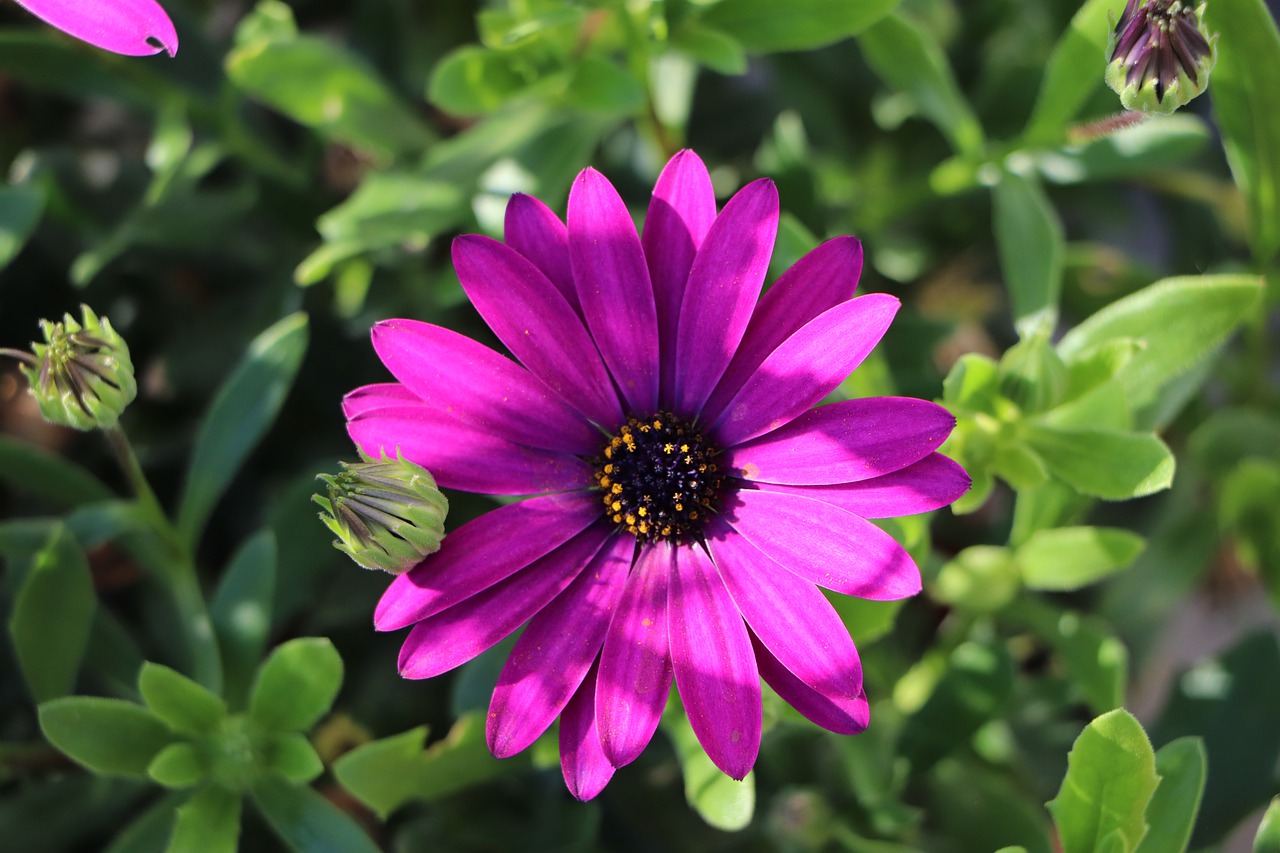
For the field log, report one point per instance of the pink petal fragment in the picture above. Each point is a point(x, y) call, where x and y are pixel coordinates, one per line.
point(789, 615)
point(825, 545)
point(582, 760)
point(479, 387)
point(535, 322)
point(806, 367)
point(715, 666)
point(482, 552)
point(845, 716)
point(933, 482)
point(533, 230)
point(379, 396)
point(612, 278)
point(461, 456)
point(845, 442)
point(635, 663)
point(680, 213)
point(724, 285)
point(555, 651)
point(130, 27)
point(455, 635)
point(820, 280)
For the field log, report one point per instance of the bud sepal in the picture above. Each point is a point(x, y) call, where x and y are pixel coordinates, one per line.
point(82, 376)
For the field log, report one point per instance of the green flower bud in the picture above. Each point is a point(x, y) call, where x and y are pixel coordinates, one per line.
point(1160, 55)
point(386, 514)
point(82, 376)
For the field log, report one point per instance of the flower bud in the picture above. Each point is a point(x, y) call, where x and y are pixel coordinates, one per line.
point(82, 376)
point(1160, 55)
point(386, 514)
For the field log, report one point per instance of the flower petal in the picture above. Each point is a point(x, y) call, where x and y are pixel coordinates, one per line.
point(464, 457)
point(635, 663)
point(555, 651)
point(612, 278)
point(825, 545)
point(820, 280)
point(724, 286)
point(381, 395)
point(844, 716)
point(536, 324)
point(481, 388)
point(482, 552)
point(714, 664)
point(533, 230)
point(788, 614)
point(455, 635)
point(933, 482)
point(131, 27)
point(805, 367)
point(582, 761)
point(681, 210)
point(844, 442)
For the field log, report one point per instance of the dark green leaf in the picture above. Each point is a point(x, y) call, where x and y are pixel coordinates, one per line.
point(765, 26)
point(1095, 660)
point(209, 822)
point(241, 612)
point(600, 86)
point(34, 471)
point(182, 703)
point(296, 685)
point(1172, 813)
point(242, 411)
point(474, 80)
point(716, 50)
point(1074, 71)
point(306, 821)
point(109, 736)
point(1029, 237)
point(1104, 463)
point(150, 831)
point(720, 800)
point(20, 209)
point(1156, 145)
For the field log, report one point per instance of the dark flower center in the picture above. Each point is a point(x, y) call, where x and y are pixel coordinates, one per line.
point(659, 478)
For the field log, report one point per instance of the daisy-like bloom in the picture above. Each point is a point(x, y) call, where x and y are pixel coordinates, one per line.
point(131, 27)
point(687, 502)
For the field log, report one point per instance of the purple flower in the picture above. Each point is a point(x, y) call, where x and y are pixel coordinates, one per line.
point(131, 27)
point(689, 501)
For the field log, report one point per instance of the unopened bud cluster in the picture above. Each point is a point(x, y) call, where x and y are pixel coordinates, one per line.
point(1160, 55)
point(82, 376)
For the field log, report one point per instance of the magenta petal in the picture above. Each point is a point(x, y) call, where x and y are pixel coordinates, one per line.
point(536, 324)
point(714, 664)
point(933, 482)
point(131, 27)
point(788, 614)
point(820, 280)
point(724, 285)
point(612, 278)
point(635, 663)
point(825, 545)
point(382, 395)
point(555, 651)
point(805, 368)
point(440, 642)
point(680, 213)
point(482, 552)
point(844, 716)
point(461, 456)
point(533, 230)
point(479, 387)
point(582, 760)
point(844, 442)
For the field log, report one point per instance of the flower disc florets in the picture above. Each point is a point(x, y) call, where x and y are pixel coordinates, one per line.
point(659, 478)
point(1160, 55)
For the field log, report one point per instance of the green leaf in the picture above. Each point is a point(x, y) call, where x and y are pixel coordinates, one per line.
point(183, 704)
point(296, 686)
point(473, 80)
point(1069, 558)
point(765, 26)
point(1095, 660)
point(241, 612)
point(866, 620)
point(1031, 244)
point(1268, 838)
point(111, 737)
point(209, 822)
point(973, 383)
point(1068, 81)
point(1246, 101)
point(717, 50)
point(148, 832)
point(1157, 145)
point(721, 801)
point(981, 578)
point(178, 765)
point(908, 60)
point(601, 86)
point(1181, 321)
point(1111, 775)
point(52, 616)
point(20, 209)
point(242, 411)
point(292, 756)
point(384, 774)
point(1172, 813)
point(306, 821)
point(1104, 463)
point(34, 471)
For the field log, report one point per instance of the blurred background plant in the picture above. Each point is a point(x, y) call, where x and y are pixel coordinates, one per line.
point(1093, 297)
